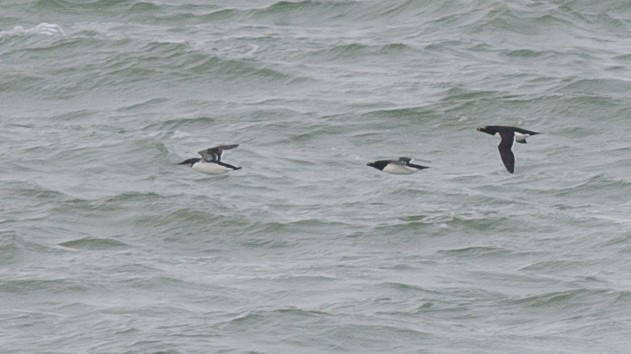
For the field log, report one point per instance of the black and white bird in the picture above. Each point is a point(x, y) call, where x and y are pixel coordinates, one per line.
point(402, 166)
point(508, 135)
point(211, 163)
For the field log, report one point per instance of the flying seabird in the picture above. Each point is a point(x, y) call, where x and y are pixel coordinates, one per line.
point(402, 166)
point(509, 135)
point(211, 163)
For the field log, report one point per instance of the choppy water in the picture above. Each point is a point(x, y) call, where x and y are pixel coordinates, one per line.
point(107, 246)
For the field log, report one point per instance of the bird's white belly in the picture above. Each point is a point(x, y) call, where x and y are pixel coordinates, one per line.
point(399, 169)
point(521, 137)
point(210, 168)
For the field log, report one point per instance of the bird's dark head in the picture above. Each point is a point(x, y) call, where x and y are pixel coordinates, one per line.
point(380, 165)
point(486, 130)
point(189, 162)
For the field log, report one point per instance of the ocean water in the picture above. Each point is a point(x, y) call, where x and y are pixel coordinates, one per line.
point(108, 246)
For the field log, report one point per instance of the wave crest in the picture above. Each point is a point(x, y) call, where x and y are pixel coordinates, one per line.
point(48, 29)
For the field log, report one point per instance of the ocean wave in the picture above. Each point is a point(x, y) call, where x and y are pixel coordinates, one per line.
point(130, 61)
point(413, 113)
point(356, 51)
point(305, 10)
point(182, 61)
point(560, 300)
point(11, 244)
point(73, 5)
point(607, 88)
point(42, 286)
point(48, 29)
point(476, 252)
point(146, 8)
point(604, 184)
point(180, 124)
point(88, 243)
point(41, 193)
point(273, 315)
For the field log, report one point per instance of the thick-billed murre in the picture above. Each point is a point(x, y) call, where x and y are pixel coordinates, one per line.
point(402, 166)
point(509, 135)
point(211, 163)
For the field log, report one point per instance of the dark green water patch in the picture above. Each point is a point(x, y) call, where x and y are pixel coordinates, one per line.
point(94, 244)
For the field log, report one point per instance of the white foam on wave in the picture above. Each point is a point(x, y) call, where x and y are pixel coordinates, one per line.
point(49, 29)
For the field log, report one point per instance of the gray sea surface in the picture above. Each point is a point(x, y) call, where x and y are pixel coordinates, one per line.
point(108, 246)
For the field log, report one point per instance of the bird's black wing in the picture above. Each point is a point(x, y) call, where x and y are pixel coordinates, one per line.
point(506, 153)
point(228, 165)
point(525, 131)
point(418, 167)
point(210, 154)
point(213, 154)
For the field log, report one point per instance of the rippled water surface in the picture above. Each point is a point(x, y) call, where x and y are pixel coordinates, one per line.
point(108, 246)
